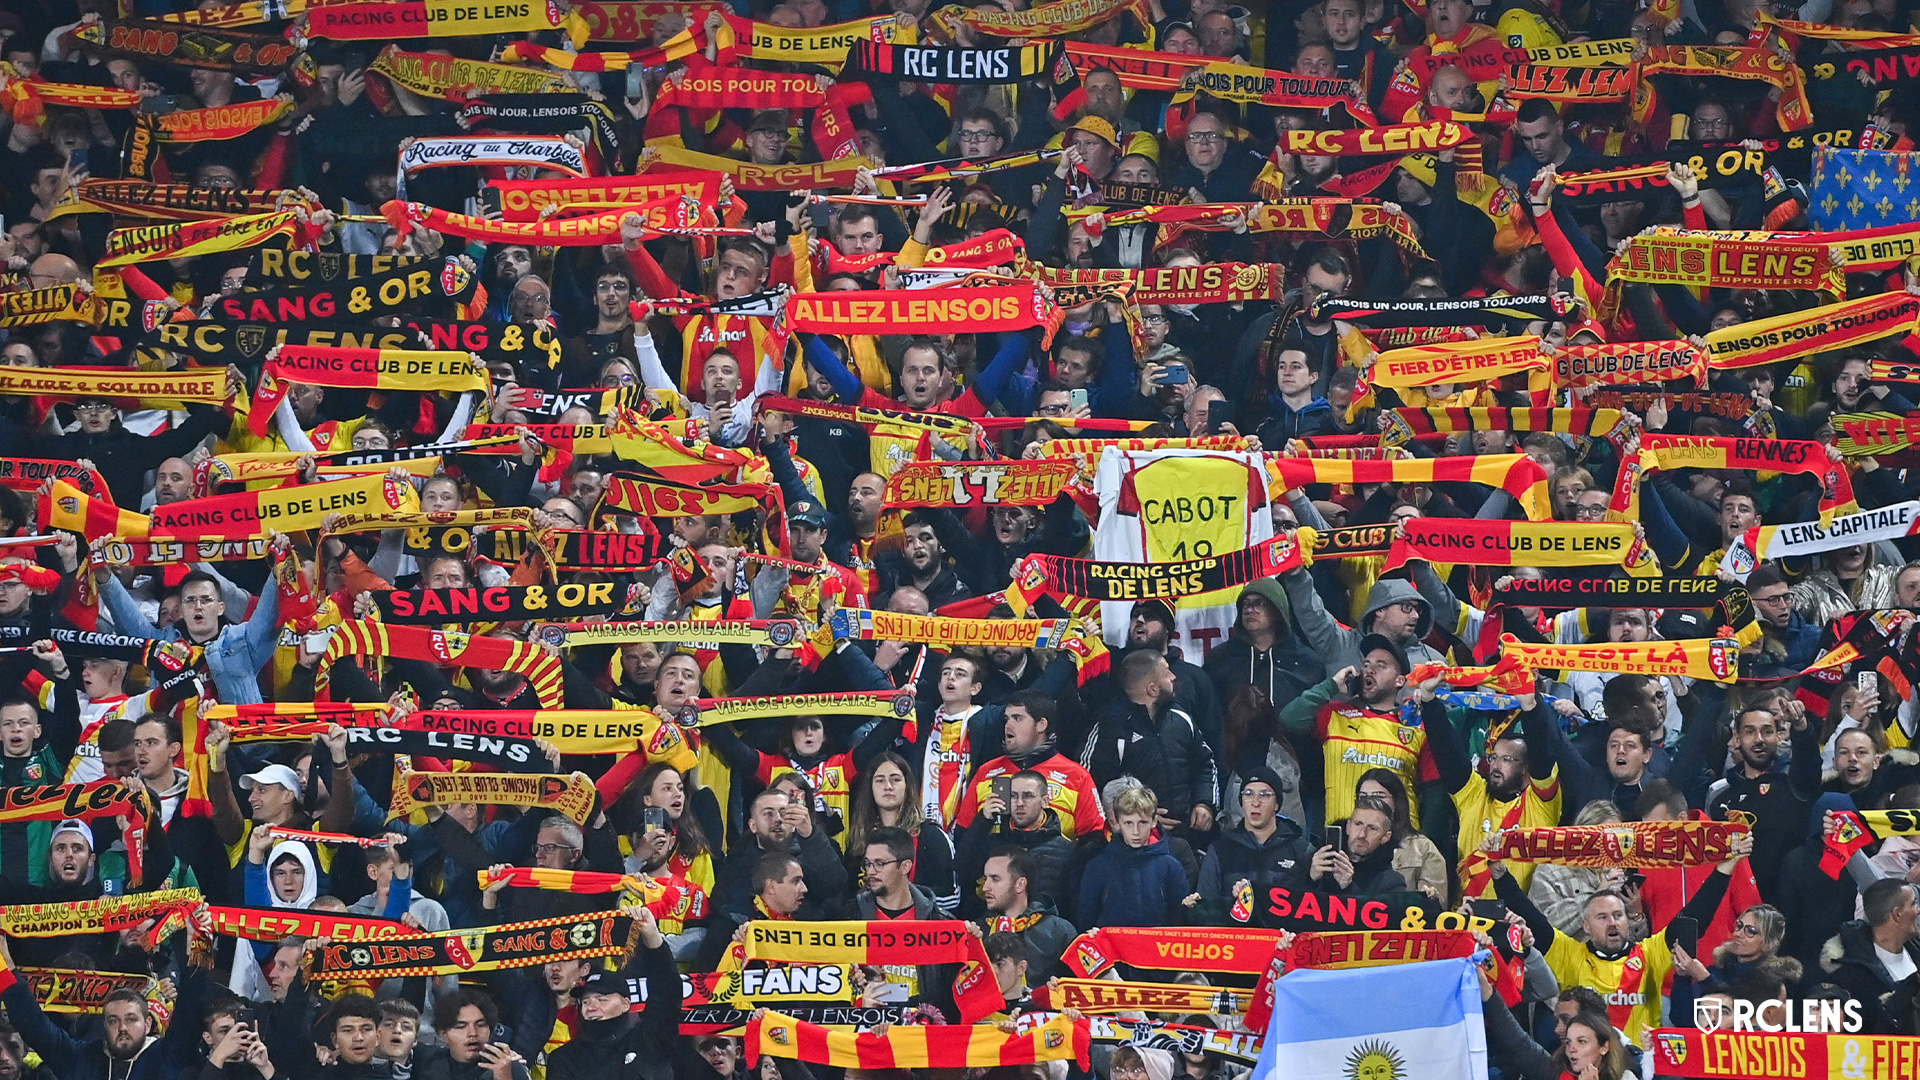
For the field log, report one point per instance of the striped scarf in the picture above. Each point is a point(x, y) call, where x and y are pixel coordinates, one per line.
point(448, 649)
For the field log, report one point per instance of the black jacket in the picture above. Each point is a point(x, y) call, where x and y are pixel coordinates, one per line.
point(1780, 802)
point(1166, 753)
point(1237, 854)
point(1849, 962)
point(1048, 848)
point(1047, 936)
point(630, 1048)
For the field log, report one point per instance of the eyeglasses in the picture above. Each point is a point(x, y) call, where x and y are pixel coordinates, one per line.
point(198, 601)
point(1053, 410)
point(1746, 928)
point(1776, 598)
point(1258, 794)
point(977, 136)
point(1589, 512)
point(611, 286)
point(1204, 136)
point(877, 864)
point(550, 849)
point(94, 407)
point(1506, 759)
point(1153, 318)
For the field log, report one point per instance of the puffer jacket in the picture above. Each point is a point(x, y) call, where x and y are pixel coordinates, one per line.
point(1129, 886)
point(1849, 962)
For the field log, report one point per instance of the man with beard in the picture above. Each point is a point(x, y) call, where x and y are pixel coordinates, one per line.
point(172, 482)
point(1024, 821)
point(1150, 737)
point(512, 264)
point(124, 1049)
point(613, 328)
point(609, 1040)
point(778, 822)
point(1014, 906)
point(1364, 866)
point(13, 1057)
point(1516, 792)
point(1029, 720)
point(1366, 731)
point(1777, 801)
point(465, 1021)
point(1629, 975)
point(922, 560)
point(1151, 630)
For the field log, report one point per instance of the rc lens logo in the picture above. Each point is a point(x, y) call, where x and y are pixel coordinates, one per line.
point(1775, 1015)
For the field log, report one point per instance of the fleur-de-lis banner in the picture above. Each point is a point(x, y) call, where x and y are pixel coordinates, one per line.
point(1860, 189)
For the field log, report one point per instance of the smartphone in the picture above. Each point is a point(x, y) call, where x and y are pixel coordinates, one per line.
point(1352, 684)
point(1336, 837)
point(1077, 399)
point(1219, 415)
point(1489, 909)
point(1003, 790)
point(316, 642)
point(1172, 375)
point(636, 81)
point(794, 798)
point(1864, 682)
point(653, 817)
point(490, 201)
point(1685, 931)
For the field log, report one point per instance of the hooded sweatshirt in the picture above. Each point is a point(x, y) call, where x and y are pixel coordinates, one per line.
point(1337, 644)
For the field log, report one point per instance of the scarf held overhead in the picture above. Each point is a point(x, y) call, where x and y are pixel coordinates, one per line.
point(917, 942)
point(514, 945)
point(1631, 844)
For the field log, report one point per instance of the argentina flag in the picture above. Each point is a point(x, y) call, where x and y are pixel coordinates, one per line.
point(1402, 1022)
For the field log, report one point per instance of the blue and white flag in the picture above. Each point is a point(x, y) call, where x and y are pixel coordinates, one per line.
point(1401, 1022)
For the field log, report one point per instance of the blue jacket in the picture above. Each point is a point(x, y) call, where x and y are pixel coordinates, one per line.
point(234, 657)
point(1126, 886)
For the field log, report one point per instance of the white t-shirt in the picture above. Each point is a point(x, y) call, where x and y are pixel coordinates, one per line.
point(1898, 964)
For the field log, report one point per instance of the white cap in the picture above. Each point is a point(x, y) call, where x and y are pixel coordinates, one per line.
point(71, 826)
point(272, 774)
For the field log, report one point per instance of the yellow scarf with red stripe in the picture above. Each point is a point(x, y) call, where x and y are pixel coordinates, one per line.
point(947, 1046)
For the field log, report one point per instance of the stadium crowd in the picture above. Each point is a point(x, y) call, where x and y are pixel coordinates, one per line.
point(504, 505)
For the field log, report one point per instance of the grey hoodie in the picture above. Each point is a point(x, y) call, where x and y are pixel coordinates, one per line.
point(1338, 643)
